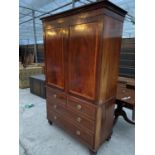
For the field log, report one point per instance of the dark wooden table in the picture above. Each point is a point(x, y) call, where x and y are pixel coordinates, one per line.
point(125, 99)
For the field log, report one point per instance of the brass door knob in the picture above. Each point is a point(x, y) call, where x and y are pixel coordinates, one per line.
point(78, 132)
point(78, 107)
point(55, 117)
point(78, 119)
point(55, 106)
point(55, 96)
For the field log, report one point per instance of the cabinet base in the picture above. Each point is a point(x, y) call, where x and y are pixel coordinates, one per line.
point(50, 122)
point(92, 152)
point(109, 137)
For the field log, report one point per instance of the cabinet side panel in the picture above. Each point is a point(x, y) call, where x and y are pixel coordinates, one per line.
point(110, 58)
point(109, 73)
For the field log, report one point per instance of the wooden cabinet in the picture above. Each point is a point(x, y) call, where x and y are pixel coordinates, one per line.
point(82, 49)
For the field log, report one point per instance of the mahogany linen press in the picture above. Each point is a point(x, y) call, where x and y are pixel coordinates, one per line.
point(82, 49)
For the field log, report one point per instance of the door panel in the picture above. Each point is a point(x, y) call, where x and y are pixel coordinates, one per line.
point(55, 57)
point(83, 50)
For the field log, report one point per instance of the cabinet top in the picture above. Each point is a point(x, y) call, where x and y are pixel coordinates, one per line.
point(88, 7)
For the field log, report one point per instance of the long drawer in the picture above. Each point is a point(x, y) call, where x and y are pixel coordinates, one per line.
point(82, 107)
point(78, 119)
point(70, 127)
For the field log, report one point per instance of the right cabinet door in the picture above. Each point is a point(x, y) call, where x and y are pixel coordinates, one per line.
point(83, 51)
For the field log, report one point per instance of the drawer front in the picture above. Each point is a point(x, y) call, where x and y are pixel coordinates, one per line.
point(80, 120)
point(70, 127)
point(82, 107)
point(57, 106)
point(55, 95)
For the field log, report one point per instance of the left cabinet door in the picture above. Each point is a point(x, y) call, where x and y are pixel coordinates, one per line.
point(54, 46)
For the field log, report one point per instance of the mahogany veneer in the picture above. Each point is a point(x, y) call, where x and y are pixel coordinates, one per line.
point(82, 49)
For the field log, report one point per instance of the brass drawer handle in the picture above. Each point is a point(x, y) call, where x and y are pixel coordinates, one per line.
point(78, 132)
point(78, 107)
point(55, 106)
point(78, 119)
point(55, 117)
point(55, 96)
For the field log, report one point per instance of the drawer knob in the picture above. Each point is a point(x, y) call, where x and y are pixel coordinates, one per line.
point(55, 106)
point(78, 119)
point(55, 96)
point(78, 132)
point(78, 107)
point(55, 117)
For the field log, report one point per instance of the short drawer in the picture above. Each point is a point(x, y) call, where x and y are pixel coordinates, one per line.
point(70, 127)
point(73, 116)
point(83, 107)
point(55, 95)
